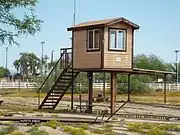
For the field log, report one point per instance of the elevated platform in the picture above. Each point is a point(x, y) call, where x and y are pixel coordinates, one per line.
point(127, 71)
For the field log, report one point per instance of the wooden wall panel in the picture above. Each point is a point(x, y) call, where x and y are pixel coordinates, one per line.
point(117, 59)
point(82, 58)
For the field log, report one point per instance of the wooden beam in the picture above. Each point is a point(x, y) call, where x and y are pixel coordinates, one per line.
point(129, 86)
point(165, 88)
point(113, 91)
point(90, 92)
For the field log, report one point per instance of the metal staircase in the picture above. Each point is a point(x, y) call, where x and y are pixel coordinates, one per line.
point(58, 81)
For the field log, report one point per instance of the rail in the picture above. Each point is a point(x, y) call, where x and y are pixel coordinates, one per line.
point(62, 63)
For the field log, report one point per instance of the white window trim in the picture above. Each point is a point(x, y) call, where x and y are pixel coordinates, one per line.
point(116, 42)
point(93, 40)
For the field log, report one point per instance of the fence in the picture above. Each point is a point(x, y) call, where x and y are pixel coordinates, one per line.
point(23, 85)
point(169, 86)
point(7, 85)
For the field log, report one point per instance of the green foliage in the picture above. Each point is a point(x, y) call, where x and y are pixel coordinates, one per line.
point(84, 126)
point(52, 123)
point(152, 62)
point(28, 64)
point(3, 72)
point(153, 128)
point(35, 131)
point(14, 26)
point(74, 131)
point(156, 131)
point(8, 130)
point(17, 133)
point(107, 129)
point(135, 127)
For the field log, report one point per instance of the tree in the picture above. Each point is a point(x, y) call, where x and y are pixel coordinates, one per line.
point(152, 62)
point(14, 26)
point(28, 64)
point(3, 72)
point(16, 64)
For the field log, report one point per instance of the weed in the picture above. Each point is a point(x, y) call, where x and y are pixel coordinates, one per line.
point(35, 131)
point(136, 127)
point(74, 131)
point(8, 130)
point(84, 126)
point(17, 133)
point(97, 131)
point(156, 131)
point(54, 115)
point(114, 118)
point(52, 123)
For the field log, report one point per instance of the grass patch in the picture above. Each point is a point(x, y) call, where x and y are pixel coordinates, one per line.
point(21, 93)
point(84, 126)
point(17, 108)
point(8, 130)
point(17, 133)
point(74, 131)
point(35, 131)
point(114, 118)
point(107, 129)
point(52, 123)
point(153, 128)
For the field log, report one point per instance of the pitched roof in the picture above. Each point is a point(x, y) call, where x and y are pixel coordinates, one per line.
point(104, 22)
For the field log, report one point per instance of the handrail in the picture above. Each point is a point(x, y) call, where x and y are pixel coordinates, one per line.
point(51, 71)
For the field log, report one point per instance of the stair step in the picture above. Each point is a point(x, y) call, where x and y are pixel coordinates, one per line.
point(50, 102)
point(52, 98)
point(66, 75)
point(65, 78)
point(57, 92)
point(61, 85)
point(49, 106)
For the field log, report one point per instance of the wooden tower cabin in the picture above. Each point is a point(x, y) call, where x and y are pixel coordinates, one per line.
point(97, 46)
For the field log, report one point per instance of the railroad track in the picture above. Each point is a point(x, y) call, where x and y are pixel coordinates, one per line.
point(148, 117)
point(37, 119)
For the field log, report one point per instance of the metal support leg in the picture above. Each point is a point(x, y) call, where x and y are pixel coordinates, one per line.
point(90, 92)
point(113, 91)
point(129, 86)
point(165, 88)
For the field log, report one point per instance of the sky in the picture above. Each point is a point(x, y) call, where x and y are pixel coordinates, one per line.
point(159, 22)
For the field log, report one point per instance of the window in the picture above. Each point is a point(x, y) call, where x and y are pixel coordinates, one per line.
point(117, 39)
point(93, 39)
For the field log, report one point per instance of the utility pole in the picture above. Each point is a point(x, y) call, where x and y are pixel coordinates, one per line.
point(6, 57)
point(52, 55)
point(42, 56)
point(177, 67)
point(74, 14)
point(72, 86)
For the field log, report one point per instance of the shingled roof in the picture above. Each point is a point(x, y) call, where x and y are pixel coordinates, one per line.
point(104, 22)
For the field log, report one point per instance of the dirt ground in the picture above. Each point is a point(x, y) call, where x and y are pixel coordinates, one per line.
point(16, 104)
point(134, 107)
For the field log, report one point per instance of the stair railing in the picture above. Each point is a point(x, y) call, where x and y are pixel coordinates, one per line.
point(52, 77)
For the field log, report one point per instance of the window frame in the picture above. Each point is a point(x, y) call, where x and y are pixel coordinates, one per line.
point(116, 44)
point(93, 49)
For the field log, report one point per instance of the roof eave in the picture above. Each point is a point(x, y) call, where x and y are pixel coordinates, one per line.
point(86, 27)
